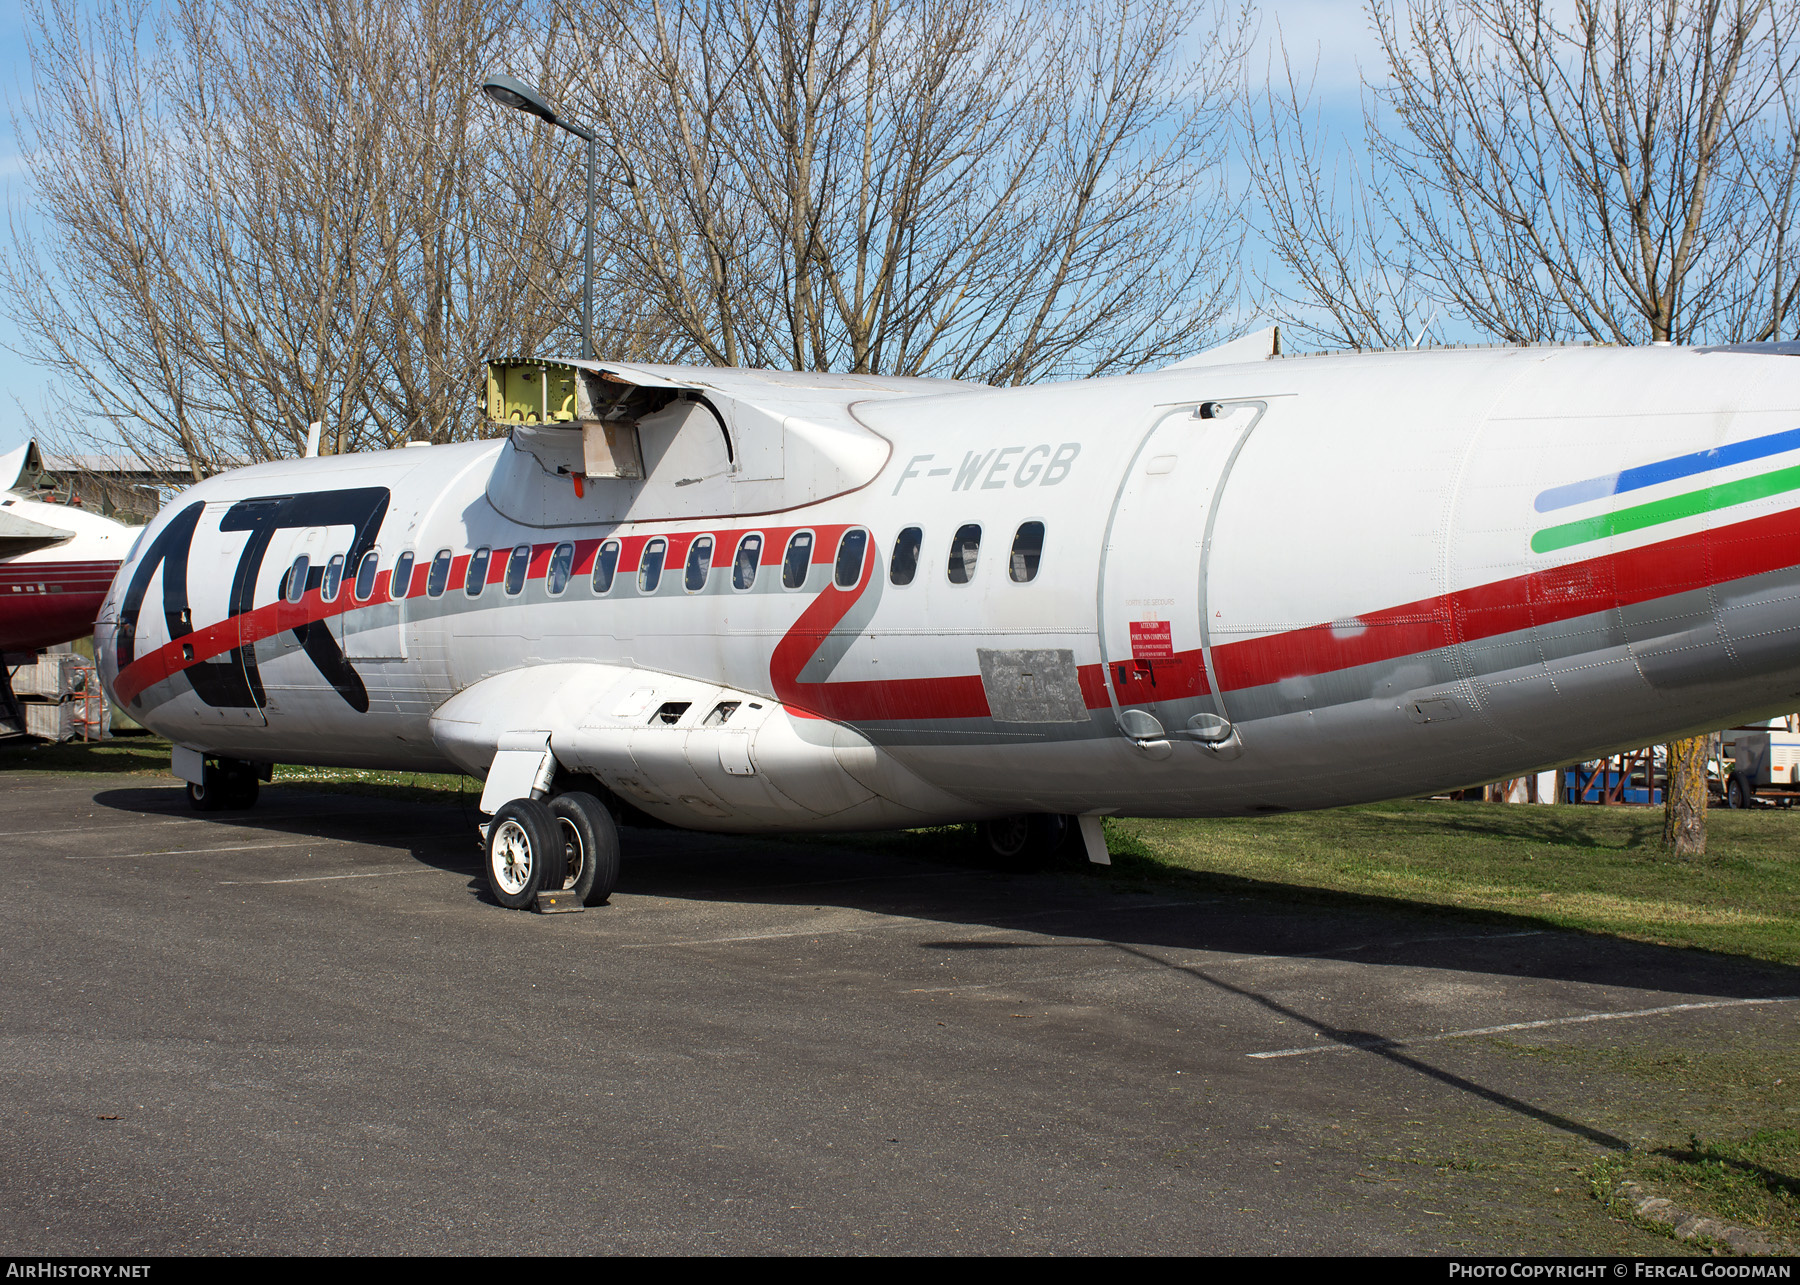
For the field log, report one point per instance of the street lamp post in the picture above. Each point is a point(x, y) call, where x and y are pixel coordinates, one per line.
point(511, 92)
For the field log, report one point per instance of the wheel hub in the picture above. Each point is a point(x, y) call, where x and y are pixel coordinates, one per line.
point(511, 857)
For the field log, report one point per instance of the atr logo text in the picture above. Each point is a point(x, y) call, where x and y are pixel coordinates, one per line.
point(1041, 465)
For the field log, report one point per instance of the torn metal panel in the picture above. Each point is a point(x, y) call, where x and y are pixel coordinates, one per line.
point(1032, 685)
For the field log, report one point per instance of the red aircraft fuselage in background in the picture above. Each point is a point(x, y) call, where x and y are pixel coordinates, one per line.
point(56, 563)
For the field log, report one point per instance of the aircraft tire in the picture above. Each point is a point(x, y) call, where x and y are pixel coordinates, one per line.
point(590, 846)
point(241, 788)
point(209, 796)
point(1025, 841)
point(523, 853)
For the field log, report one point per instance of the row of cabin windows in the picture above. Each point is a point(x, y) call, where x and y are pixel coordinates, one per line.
point(852, 550)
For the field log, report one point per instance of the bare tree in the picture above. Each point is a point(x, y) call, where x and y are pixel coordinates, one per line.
point(1618, 170)
point(255, 214)
point(1342, 274)
point(1622, 173)
point(998, 189)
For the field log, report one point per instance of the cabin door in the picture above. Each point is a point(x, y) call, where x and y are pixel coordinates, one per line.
point(1152, 572)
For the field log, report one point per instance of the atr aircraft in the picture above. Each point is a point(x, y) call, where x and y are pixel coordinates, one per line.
point(56, 560)
point(743, 601)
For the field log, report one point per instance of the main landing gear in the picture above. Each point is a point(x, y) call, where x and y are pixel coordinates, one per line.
point(226, 785)
point(567, 844)
point(1026, 841)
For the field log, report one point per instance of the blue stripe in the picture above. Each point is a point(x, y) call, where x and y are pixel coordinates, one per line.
point(1635, 479)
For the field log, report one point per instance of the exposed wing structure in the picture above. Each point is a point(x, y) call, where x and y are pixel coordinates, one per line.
point(683, 441)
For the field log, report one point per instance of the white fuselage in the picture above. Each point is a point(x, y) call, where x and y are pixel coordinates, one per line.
point(1363, 576)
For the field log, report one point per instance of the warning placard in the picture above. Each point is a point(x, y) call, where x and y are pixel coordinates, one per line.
point(1150, 640)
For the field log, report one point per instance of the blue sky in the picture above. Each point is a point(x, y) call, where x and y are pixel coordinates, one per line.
point(1333, 31)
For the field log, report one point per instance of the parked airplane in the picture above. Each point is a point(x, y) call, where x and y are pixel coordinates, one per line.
point(56, 560)
point(742, 600)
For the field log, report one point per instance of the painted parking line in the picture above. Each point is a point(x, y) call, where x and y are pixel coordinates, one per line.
point(129, 821)
point(193, 852)
point(906, 921)
point(1341, 1046)
point(1335, 951)
point(362, 874)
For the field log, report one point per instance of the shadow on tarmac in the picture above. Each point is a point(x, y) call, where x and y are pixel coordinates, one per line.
point(941, 882)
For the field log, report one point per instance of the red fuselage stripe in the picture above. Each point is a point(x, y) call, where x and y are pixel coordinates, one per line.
point(1659, 570)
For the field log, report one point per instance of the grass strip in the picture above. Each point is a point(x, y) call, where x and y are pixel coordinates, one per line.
point(1745, 1179)
point(1588, 868)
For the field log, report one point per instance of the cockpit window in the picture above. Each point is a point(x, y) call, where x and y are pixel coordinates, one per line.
point(1027, 551)
point(518, 565)
point(904, 565)
point(964, 550)
point(799, 558)
point(650, 565)
point(476, 580)
point(699, 563)
point(562, 566)
point(605, 565)
point(749, 557)
point(851, 548)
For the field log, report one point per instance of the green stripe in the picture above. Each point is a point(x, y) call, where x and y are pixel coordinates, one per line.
point(1657, 512)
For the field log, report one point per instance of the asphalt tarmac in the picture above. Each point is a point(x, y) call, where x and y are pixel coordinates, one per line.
point(304, 1029)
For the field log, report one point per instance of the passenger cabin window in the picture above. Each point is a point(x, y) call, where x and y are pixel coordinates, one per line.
point(438, 579)
point(904, 565)
point(605, 565)
point(798, 559)
point(296, 579)
point(518, 565)
point(365, 575)
point(850, 558)
point(749, 557)
point(400, 582)
point(1027, 550)
point(334, 576)
point(476, 580)
point(699, 563)
point(650, 565)
point(562, 567)
point(964, 550)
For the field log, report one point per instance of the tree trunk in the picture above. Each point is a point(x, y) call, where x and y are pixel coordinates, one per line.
point(1684, 798)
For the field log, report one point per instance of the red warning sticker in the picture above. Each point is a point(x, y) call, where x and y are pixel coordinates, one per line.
point(1150, 640)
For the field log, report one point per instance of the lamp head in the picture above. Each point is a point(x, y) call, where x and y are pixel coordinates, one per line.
point(509, 91)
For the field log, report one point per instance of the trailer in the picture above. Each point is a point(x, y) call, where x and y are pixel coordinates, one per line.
point(1757, 762)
